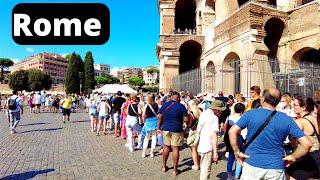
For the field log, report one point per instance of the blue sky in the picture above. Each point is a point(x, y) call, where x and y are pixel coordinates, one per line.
point(134, 33)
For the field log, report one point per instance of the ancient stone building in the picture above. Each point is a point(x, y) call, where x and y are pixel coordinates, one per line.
point(233, 44)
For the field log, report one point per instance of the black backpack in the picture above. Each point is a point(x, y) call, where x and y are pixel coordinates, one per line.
point(12, 104)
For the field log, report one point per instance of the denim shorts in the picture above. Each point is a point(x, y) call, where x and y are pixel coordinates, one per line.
point(116, 118)
point(104, 117)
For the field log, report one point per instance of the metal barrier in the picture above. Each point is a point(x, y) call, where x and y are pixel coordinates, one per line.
point(237, 76)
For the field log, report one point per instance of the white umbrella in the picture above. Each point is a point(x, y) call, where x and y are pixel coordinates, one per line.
point(114, 88)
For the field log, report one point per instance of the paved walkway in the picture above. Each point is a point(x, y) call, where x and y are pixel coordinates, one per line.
point(45, 148)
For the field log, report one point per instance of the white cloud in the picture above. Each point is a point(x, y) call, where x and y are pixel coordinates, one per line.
point(114, 70)
point(29, 49)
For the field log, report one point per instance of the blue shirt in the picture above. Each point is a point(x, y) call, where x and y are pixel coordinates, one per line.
point(173, 117)
point(266, 151)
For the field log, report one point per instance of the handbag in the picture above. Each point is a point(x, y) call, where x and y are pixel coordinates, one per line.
point(246, 144)
point(194, 136)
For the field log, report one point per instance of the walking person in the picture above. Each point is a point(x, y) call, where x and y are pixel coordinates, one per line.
point(239, 109)
point(150, 121)
point(124, 110)
point(38, 102)
point(116, 105)
point(31, 103)
point(171, 117)
point(104, 110)
point(15, 109)
point(208, 128)
point(132, 123)
point(66, 108)
point(267, 129)
point(308, 166)
point(93, 113)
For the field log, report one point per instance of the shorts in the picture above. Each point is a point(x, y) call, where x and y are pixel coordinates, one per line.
point(66, 112)
point(32, 105)
point(116, 118)
point(38, 105)
point(173, 138)
point(103, 118)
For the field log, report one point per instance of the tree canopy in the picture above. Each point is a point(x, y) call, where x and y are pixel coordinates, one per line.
point(4, 63)
point(73, 75)
point(136, 81)
point(89, 79)
point(106, 79)
point(153, 70)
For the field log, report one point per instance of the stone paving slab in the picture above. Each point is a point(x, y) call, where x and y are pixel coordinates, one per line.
point(45, 148)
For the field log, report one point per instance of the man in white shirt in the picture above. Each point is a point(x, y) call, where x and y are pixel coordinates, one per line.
point(15, 108)
point(208, 127)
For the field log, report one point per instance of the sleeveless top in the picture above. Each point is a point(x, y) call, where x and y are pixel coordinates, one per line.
point(130, 109)
point(313, 137)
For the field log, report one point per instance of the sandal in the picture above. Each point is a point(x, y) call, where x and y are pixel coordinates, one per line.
point(164, 169)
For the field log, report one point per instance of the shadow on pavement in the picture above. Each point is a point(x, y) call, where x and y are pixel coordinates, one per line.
point(79, 121)
point(50, 129)
point(27, 175)
point(32, 124)
point(222, 175)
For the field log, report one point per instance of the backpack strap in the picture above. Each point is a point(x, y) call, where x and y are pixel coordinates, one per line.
point(264, 125)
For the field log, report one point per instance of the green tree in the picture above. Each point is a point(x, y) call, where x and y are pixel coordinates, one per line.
point(89, 80)
point(153, 70)
point(19, 80)
point(4, 63)
point(136, 81)
point(106, 79)
point(38, 80)
point(72, 80)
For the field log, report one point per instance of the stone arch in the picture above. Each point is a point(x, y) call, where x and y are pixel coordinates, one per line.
point(274, 28)
point(185, 14)
point(303, 2)
point(306, 56)
point(231, 73)
point(241, 2)
point(272, 2)
point(190, 53)
point(210, 77)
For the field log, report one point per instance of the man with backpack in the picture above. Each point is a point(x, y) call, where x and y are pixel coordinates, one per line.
point(15, 109)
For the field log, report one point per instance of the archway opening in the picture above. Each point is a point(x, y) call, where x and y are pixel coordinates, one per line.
point(272, 2)
point(210, 77)
point(210, 6)
point(305, 77)
point(242, 2)
point(185, 14)
point(232, 72)
point(274, 28)
point(190, 52)
point(306, 1)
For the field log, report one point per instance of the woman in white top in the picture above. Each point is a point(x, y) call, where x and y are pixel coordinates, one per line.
point(104, 111)
point(285, 106)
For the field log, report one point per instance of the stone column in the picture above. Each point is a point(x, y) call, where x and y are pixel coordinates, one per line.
point(224, 8)
point(166, 18)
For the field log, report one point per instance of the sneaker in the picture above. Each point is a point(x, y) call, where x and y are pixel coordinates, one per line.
point(12, 132)
point(194, 167)
point(131, 149)
point(151, 155)
point(143, 154)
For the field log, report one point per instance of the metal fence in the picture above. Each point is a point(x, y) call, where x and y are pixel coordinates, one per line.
point(236, 76)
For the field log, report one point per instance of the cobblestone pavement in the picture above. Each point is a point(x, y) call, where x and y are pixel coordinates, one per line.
point(45, 148)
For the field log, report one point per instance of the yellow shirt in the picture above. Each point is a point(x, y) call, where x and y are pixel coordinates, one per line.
point(249, 103)
point(67, 103)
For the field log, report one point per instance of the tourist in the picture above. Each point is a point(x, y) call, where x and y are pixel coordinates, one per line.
point(43, 98)
point(194, 114)
point(55, 104)
point(308, 166)
point(132, 123)
point(66, 108)
point(38, 102)
point(208, 127)
point(5, 107)
point(171, 117)
point(47, 103)
point(124, 109)
point(31, 103)
point(116, 105)
point(150, 120)
point(93, 113)
point(233, 119)
point(224, 114)
point(285, 106)
point(15, 109)
point(255, 94)
point(263, 156)
point(104, 111)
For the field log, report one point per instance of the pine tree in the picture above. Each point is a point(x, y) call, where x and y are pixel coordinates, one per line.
point(89, 81)
point(72, 82)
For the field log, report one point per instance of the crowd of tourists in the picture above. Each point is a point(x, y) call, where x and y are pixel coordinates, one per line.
point(267, 136)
